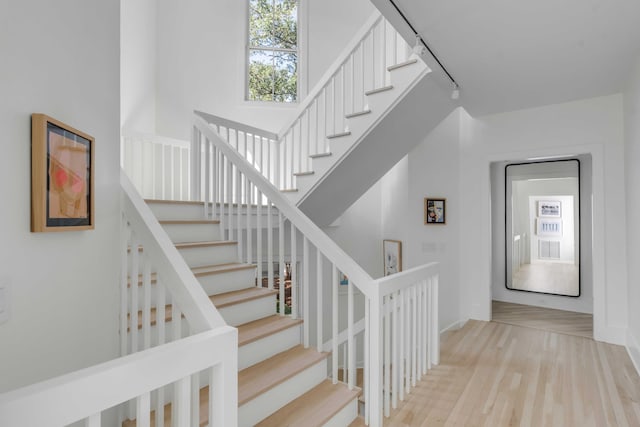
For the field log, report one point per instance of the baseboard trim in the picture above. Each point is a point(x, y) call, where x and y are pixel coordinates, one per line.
point(453, 327)
point(633, 349)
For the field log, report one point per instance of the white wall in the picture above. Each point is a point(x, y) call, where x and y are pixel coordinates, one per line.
point(632, 159)
point(434, 171)
point(201, 59)
point(138, 66)
point(59, 58)
point(591, 126)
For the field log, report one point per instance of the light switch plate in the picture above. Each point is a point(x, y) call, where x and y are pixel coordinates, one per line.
point(4, 299)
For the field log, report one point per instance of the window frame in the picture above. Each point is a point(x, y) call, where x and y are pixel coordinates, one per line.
point(301, 42)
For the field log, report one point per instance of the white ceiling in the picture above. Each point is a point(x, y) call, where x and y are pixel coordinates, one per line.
point(512, 54)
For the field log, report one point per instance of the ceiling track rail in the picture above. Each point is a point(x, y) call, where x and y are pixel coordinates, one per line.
point(426, 46)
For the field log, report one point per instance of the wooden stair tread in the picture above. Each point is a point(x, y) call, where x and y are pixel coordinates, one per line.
point(378, 90)
point(237, 297)
point(314, 408)
point(338, 135)
point(401, 64)
point(188, 221)
point(205, 244)
point(357, 114)
point(307, 173)
point(253, 331)
point(174, 202)
point(221, 268)
point(289, 190)
point(263, 376)
point(319, 155)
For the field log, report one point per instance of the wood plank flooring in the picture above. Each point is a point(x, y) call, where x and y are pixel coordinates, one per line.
point(493, 374)
point(564, 322)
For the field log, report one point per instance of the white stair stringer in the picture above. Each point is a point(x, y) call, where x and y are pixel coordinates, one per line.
point(375, 147)
point(267, 403)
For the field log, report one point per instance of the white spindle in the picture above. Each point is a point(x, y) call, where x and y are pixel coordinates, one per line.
point(216, 389)
point(176, 321)
point(135, 277)
point(350, 335)
point(384, 53)
point(146, 304)
point(294, 271)
point(319, 307)
point(270, 245)
point(239, 223)
point(367, 361)
point(143, 410)
point(248, 213)
point(394, 363)
point(387, 355)
point(402, 331)
point(259, 238)
point(126, 282)
point(195, 400)
point(343, 93)
point(435, 333)
point(281, 278)
point(305, 290)
point(182, 407)
point(335, 283)
point(352, 82)
point(414, 337)
point(407, 341)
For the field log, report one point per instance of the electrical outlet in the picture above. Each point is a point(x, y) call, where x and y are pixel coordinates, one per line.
point(4, 299)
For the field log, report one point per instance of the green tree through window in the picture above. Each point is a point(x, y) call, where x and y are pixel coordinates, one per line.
point(273, 50)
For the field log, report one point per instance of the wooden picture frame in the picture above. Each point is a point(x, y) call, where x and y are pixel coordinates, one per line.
point(392, 256)
point(62, 176)
point(435, 211)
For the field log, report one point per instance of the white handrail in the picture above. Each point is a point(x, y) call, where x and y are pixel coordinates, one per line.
point(221, 121)
point(184, 288)
point(403, 279)
point(333, 69)
point(322, 241)
point(87, 392)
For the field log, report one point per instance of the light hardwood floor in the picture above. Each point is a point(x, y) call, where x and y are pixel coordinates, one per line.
point(565, 322)
point(549, 277)
point(493, 374)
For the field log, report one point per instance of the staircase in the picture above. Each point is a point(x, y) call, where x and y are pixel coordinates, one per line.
point(345, 134)
point(279, 381)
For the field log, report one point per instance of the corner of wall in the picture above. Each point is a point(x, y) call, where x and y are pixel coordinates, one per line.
point(633, 349)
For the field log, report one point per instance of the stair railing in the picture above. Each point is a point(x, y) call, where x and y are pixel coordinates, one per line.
point(86, 394)
point(157, 166)
point(156, 285)
point(228, 179)
point(160, 298)
point(341, 93)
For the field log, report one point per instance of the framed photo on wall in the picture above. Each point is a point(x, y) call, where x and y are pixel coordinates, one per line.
point(392, 254)
point(549, 208)
point(62, 176)
point(435, 211)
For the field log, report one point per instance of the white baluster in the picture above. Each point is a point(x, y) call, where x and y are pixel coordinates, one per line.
point(195, 399)
point(305, 289)
point(181, 408)
point(281, 279)
point(143, 410)
point(435, 345)
point(125, 284)
point(294, 272)
point(270, 245)
point(351, 337)
point(335, 283)
point(319, 307)
point(135, 277)
point(146, 304)
point(395, 376)
point(414, 340)
point(259, 238)
point(387, 355)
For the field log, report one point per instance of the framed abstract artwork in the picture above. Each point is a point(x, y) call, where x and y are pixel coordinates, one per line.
point(435, 211)
point(392, 254)
point(62, 176)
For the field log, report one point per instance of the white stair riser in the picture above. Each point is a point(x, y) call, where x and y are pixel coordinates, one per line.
point(209, 255)
point(226, 282)
point(175, 210)
point(269, 402)
point(249, 311)
point(345, 416)
point(257, 351)
point(191, 233)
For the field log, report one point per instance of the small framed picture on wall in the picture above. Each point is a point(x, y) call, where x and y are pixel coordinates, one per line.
point(435, 211)
point(392, 254)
